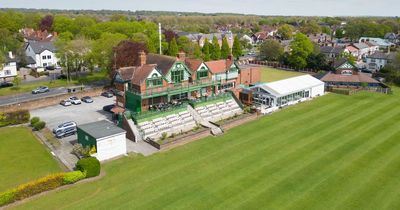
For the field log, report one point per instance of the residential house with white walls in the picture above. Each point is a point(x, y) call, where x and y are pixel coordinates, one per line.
point(8, 70)
point(43, 53)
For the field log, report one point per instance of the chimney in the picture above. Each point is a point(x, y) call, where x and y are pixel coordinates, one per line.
point(181, 56)
point(10, 55)
point(142, 58)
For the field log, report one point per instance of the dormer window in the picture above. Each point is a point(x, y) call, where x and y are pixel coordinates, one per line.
point(347, 72)
point(154, 81)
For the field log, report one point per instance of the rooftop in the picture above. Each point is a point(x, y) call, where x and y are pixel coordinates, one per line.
point(291, 85)
point(101, 129)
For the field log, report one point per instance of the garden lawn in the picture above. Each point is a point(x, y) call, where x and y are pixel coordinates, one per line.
point(335, 152)
point(22, 158)
point(271, 74)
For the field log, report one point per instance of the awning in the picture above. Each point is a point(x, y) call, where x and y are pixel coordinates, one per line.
point(118, 110)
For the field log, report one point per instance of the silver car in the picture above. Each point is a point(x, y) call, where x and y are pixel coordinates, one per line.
point(41, 89)
point(63, 126)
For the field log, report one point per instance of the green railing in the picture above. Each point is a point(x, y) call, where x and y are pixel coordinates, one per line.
point(150, 115)
point(173, 89)
point(211, 100)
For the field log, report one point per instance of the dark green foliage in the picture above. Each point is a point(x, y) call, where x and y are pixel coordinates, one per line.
point(236, 48)
point(225, 49)
point(90, 166)
point(206, 50)
point(301, 48)
point(173, 47)
point(39, 125)
point(216, 52)
point(14, 118)
point(271, 50)
point(34, 120)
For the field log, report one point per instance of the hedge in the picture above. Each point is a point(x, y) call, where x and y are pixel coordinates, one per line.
point(90, 165)
point(73, 176)
point(14, 118)
point(39, 125)
point(34, 120)
point(46, 183)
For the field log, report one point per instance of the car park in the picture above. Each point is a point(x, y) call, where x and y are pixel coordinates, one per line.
point(87, 99)
point(6, 84)
point(66, 103)
point(65, 125)
point(41, 89)
point(108, 108)
point(107, 94)
point(75, 100)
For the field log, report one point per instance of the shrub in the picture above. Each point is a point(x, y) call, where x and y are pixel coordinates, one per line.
point(34, 120)
point(163, 136)
point(43, 184)
point(89, 165)
point(73, 176)
point(14, 118)
point(39, 125)
point(81, 151)
point(7, 197)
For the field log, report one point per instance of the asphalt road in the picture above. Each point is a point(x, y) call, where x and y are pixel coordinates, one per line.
point(18, 98)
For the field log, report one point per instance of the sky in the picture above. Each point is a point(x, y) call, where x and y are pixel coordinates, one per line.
point(259, 7)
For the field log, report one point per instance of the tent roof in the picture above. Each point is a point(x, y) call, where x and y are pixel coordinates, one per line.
point(291, 85)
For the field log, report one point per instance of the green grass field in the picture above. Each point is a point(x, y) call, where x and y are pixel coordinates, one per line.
point(22, 158)
point(271, 74)
point(335, 152)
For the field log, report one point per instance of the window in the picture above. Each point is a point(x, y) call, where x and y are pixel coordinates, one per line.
point(49, 57)
point(202, 74)
point(373, 60)
point(7, 72)
point(44, 57)
point(154, 81)
point(44, 64)
point(177, 76)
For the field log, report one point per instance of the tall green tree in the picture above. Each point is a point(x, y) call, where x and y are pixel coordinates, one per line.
point(301, 48)
point(216, 53)
point(173, 48)
point(225, 49)
point(196, 51)
point(2, 59)
point(236, 48)
point(271, 50)
point(206, 50)
point(102, 49)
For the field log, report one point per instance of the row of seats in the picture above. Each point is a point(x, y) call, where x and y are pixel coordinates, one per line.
point(219, 111)
point(174, 123)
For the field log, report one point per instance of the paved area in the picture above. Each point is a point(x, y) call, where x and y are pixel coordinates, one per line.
point(81, 114)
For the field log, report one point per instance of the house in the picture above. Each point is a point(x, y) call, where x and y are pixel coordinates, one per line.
point(351, 50)
point(363, 50)
point(346, 75)
point(108, 139)
point(160, 79)
point(382, 43)
point(270, 96)
point(321, 39)
point(331, 52)
point(8, 70)
point(392, 37)
point(378, 60)
point(42, 52)
point(248, 39)
point(30, 34)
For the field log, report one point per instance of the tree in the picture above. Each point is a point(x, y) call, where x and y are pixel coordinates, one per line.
point(126, 53)
point(317, 61)
point(339, 33)
point(301, 48)
point(285, 31)
point(206, 50)
point(225, 49)
point(46, 24)
point(216, 53)
point(271, 50)
point(17, 81)
point(173, 48)
point(102, 49)
point(169, 35)
point(311, 27)
point(236, 48)
point(196, 51)
point(349, 57)
point(2, 59)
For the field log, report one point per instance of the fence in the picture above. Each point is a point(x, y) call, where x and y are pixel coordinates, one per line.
point(351, 91)
point(283, 67)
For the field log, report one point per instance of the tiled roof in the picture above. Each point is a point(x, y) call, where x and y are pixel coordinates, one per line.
point(356, 78)
point(164, 63)
point(136, 74)
point(329, 49)
point(219, 66)
point(360, 45)
point(381, 55)
point(193, 64)
point(38, 46)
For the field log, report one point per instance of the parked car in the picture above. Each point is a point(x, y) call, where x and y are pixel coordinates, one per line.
point(62, 76)
point(6, 84)
point(66, 132)
point(66, 103)
point(107, 94)
point(50, 68)
point(108, 108)
point(87, 99)
point(41, 89)
point(75, 100)
point(63, 126)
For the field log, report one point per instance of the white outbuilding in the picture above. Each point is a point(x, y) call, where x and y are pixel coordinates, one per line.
point(108, 139)
point(287, 92)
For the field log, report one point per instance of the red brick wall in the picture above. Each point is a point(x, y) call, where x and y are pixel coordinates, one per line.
point(249, 75)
